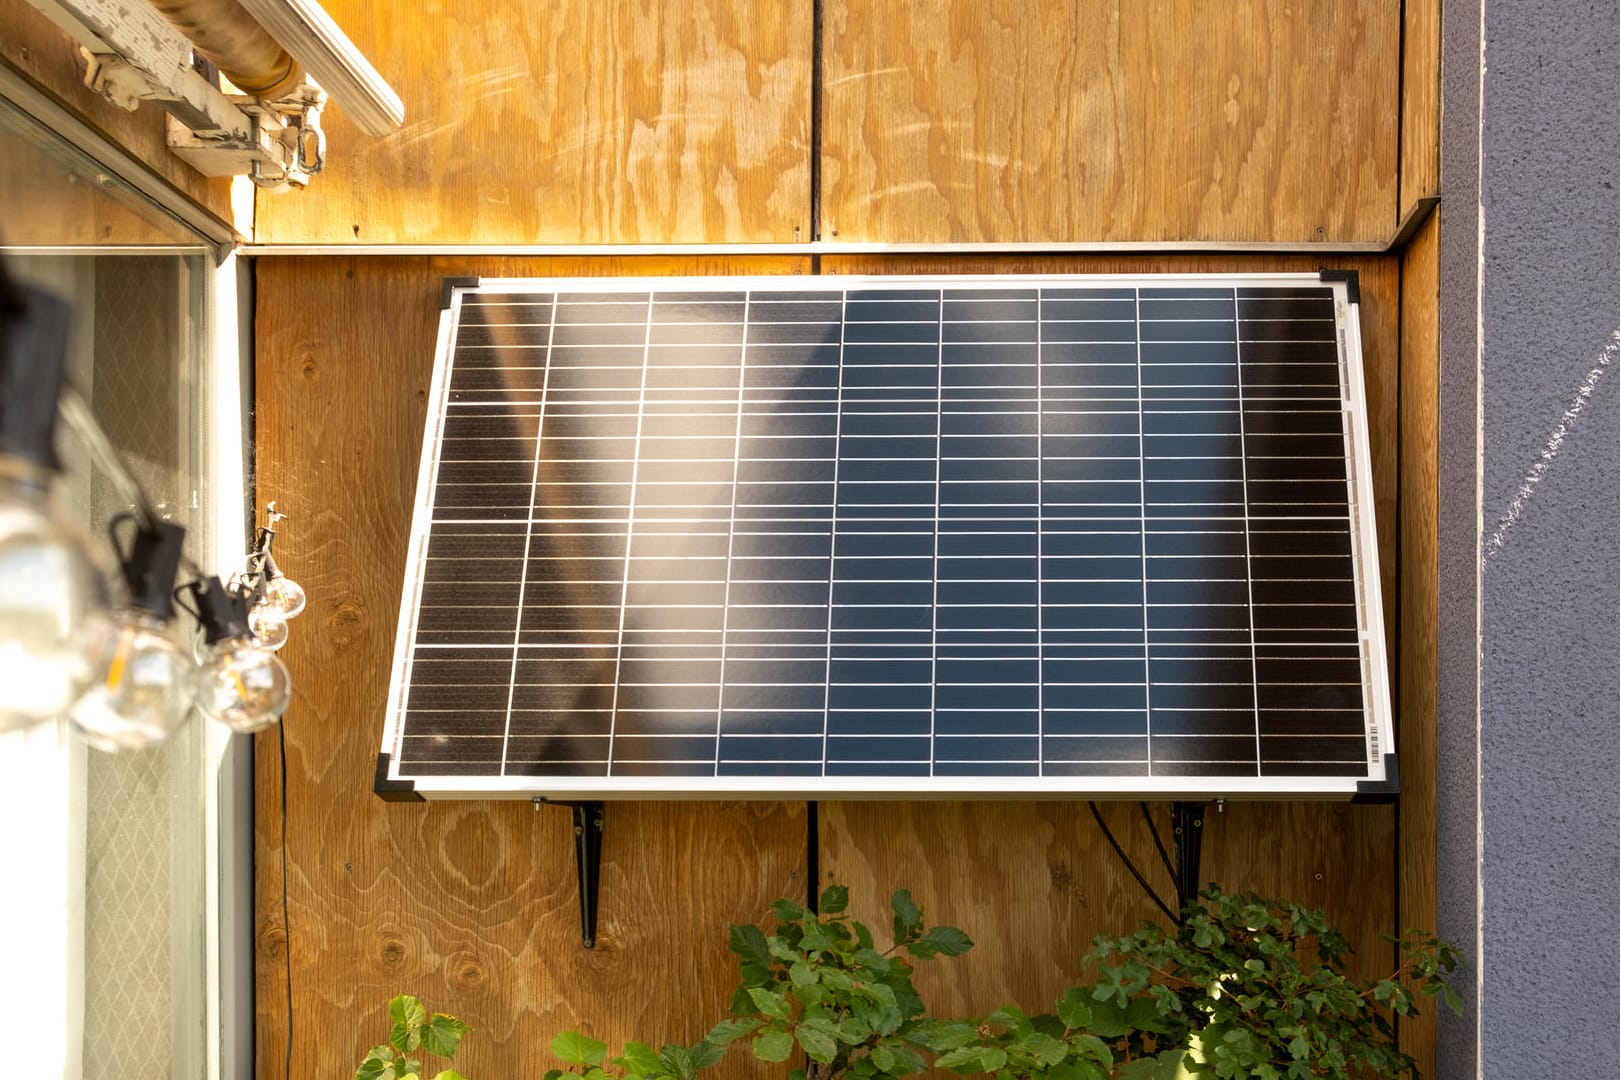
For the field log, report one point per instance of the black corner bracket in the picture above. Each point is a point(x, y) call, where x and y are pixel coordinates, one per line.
point(390, 790)
point(1351, 279)
point(1381, 791)
point(587, 860)
point(449, 285)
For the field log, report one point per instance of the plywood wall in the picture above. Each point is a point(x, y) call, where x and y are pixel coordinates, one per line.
point(570, 122)
point(943, 121)
point(1032, 120)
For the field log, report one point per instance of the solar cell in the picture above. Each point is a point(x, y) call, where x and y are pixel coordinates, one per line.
point(868, 536)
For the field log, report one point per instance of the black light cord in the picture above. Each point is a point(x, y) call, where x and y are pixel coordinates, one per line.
point(286, 918)
point(1158, 842)
point(1126, 859)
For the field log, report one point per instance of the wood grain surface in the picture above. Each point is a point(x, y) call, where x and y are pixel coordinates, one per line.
point(40, 51)
point(471, 906)
point(1419, 625)
point(1052, 120)
point(1420, 102)
point(570, 122)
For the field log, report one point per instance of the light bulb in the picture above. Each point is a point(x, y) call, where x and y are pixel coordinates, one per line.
point(146, 691)
point(268, 624)
point(241, 684)
point(283, 592)
point(52, 608)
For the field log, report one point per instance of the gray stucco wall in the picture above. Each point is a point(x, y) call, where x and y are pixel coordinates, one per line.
point(1546, 271)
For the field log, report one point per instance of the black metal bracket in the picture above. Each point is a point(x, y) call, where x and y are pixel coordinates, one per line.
point(1187, 822)
point(587, 860)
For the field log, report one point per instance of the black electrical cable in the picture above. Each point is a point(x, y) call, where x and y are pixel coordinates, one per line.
point(1158, 842)
point(1126, 859)
point(286, 919)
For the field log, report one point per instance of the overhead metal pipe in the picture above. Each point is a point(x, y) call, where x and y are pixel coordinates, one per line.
point(224, 32)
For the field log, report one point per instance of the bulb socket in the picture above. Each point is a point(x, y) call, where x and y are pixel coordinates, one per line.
point(33, 359)
point(222, 613)
point(151, 564)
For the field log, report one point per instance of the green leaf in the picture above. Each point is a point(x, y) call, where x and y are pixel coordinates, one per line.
point(884, 1058)
point(835, 900)
point(377, 1063)
point(408, 1016)
point(578, 1049)
point(815, 937)
point(774, 1045)
point(992, 1059)
point(948, 940)
point(787, 911)
point(769, 1003)
point(705, 1054)
point(1044, 1048)
point(443, 1034)
point(1172, 1064)
point(907, 915)
point(1072, 1008)
point(1453, 1001)
point(748, 942)
point(950, 1035)
point(906, 1061)
point(967, 1056)
point(727, 1032)
point(639, 1058)
point(802, 974)
point(1107, 1018)
point(677, 1061)
point(448, 1074)
point(818, 1045)
point(1011, 1018)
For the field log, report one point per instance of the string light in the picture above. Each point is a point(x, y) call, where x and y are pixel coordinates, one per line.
point(240, 683)
point(121, 677)
point(273, 596)
point(52, 590)
point(147, 686)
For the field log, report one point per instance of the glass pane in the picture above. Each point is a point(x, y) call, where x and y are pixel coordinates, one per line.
point(134, 996)
point(69, 200)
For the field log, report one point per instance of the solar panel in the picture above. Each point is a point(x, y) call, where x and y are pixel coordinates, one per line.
point(840, 536)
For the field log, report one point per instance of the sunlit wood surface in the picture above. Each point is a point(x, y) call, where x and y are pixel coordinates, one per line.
point(570, 122)
point(1053, 120)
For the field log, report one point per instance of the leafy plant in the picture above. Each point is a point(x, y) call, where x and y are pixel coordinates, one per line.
point(819, 984)
point(1243, 989)
point(414, 1031)
point(638, 1062)
point(1257, 988)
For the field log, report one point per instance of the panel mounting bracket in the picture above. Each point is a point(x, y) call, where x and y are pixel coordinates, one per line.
point(1187, 824)
point(587, 860)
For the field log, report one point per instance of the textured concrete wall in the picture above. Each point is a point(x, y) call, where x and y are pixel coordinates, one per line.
point(1547, 817)
point(1458, 641)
